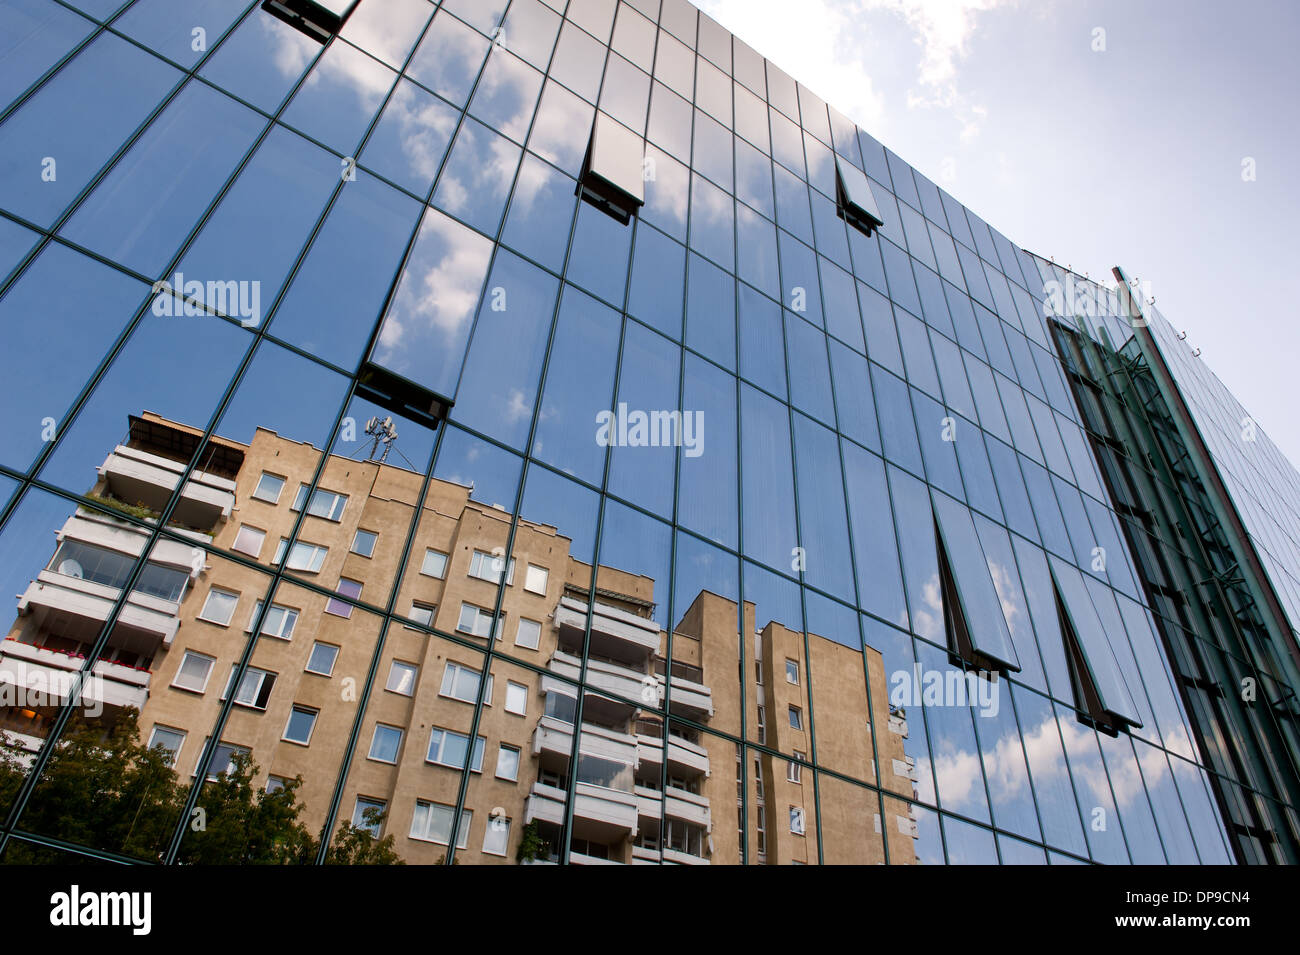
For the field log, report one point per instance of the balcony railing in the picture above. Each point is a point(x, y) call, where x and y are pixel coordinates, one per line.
point(52, 673)
point(84, 600)
point(136, 476)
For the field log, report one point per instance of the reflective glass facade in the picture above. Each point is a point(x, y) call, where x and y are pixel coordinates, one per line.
point(341, 432)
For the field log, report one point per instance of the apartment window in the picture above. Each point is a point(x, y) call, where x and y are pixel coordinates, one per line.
point(423, 613)
point(432, 823)
point(796, 820)
point(302, 720)
point(477, 621)
point(363, 543)
point(762, 724)
point(168, 739)
point(254, 689)
point(322, 658)
point(760, 829)
point(792, 671)
point(516, 698)
point(758, 777)
point(561, 707)
point(302, 556)
point(758, 672)
point(529, 634)
point(613, 174)
point(853, 199)
point(249, 540)
point(219, 607)
point(796, 718)
point(488, 566)
point(275, 783)
point(346, 588)
point(461, 683)
point(435, 564)
point(268, 488)
point(278, 622)
point(193, 672)
point(448, 749)
point(497, 837)
point(537, 579)
point(385, 743)
point(325, 504)
point(508, 763)
point(401, 677)
point(368, 815)
point(794, 770)
point(222, 759)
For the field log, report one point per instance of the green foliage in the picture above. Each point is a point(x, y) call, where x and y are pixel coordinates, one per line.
point(355, 845)
point(531, 844)
point(104, 788)
point(135, 510)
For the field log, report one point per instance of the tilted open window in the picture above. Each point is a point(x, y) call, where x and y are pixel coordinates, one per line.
point(976, 625)
point(1100, 692)
point(853, 198)
point(401, 396)
point(318, 19)
point(613, 176)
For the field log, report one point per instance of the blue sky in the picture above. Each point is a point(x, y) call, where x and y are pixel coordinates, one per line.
point(1131, 156)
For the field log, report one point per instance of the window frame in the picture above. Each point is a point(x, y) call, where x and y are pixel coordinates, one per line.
point(294, 710)
point(257, 488)
point(207, 676)
point(207, 600)
point(333, 660)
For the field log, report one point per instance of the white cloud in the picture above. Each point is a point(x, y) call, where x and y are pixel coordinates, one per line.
point(819, 50)
point(834, 43)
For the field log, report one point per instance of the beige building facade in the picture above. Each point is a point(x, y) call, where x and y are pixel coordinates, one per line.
point(639, 794)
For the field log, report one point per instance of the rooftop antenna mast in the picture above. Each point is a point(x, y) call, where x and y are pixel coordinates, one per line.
point(385, 433)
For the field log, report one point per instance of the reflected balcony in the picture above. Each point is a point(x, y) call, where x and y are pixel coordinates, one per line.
point(139, 477)
point(690, 697)
point(33, 671)
point(554, 737)
point(677, 804)
point(599, 814)
point(615, 634)
point(685, 758)
point(604, 676)
point(76, 608)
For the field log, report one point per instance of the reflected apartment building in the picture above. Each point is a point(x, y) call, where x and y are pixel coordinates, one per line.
point(903, 545)
point(171, 660)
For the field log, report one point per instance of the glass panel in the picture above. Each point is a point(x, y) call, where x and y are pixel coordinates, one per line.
point(56, 142)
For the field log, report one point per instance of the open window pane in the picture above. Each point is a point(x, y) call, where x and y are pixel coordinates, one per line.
point(978, 615)
point(1099, 685)
point(318, 19)
point(853, 196)
point(612, 177)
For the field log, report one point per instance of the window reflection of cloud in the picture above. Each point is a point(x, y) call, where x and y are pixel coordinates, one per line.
point(439, 290)
point(488, 177)
point(291, 51)
point(356, 72)
point(389, 29)
point(506, 94)
point(425, 126)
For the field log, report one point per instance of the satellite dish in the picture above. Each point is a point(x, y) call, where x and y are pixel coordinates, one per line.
point(71, 568)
